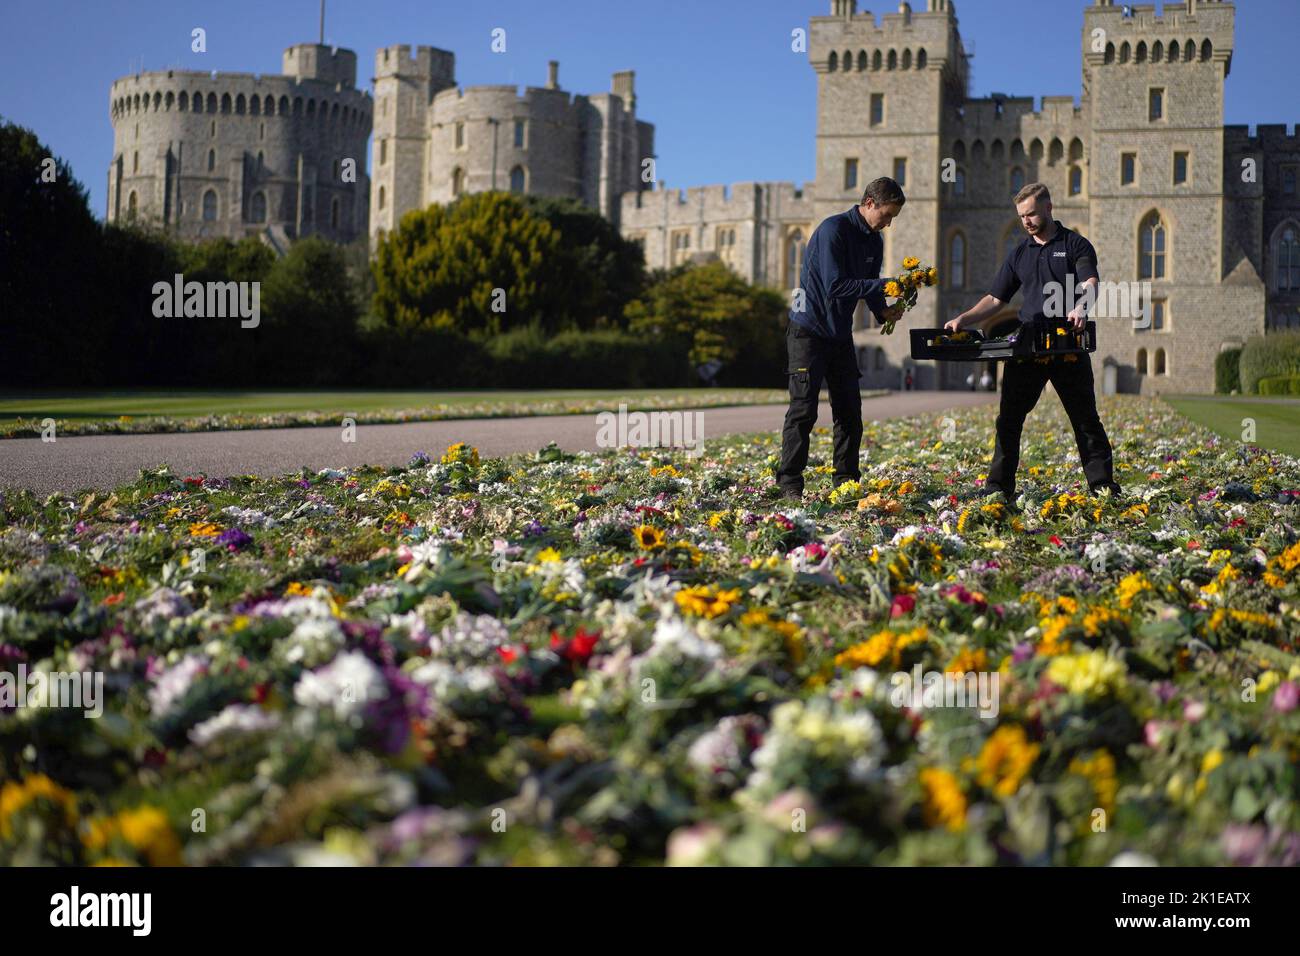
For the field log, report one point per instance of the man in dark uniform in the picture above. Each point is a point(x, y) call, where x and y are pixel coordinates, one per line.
point(1051, 254)
point(841, 265)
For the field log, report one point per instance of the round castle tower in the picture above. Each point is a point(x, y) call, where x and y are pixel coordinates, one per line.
point(236, 154)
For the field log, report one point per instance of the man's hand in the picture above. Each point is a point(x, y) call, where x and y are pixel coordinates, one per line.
point(1077, 319)
point(892, 313)
point(953, 325)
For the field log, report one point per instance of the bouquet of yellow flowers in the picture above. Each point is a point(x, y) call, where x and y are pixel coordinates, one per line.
point(904, 286)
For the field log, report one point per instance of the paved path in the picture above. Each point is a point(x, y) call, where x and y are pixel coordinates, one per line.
point(106, 461)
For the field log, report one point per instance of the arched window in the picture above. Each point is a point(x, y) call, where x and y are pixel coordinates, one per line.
point(131, 205)
point(269, 108)
point(1076, 180)
point(920, 59)
point(1207, 49)
point(1151, 247)
point(833, 63)
point(957, 261)
point(334, 213)
point(1189, 51)
point(1056, 152)
point(183, 102)
point(1036, 150)
point(517, 179)
point(1076, 150)
point(167, 103)
point(284, 105)
point(239, 104)
point(875, 60)
point(1140, 54)
point(382, 197)
point(212, 160)
point(907, 59)
point(1173, 51)
point(257, 208)
point(210, 205)
point(1110, 53)
point(457, 181)
point(1157, 52)
point(1123, 52)
point(225, 102)
point(893, 59)
point(1142, 361)
point(261, 161)
point(794, 248)
point(1017, 180)
point(1159, 368)
point(1012, 237)
point(996, 150)
point(1288, 260)
point(862, 61)
point(254, 106)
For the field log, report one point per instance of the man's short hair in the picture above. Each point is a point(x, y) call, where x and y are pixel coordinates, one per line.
point(1033, 191)
point(883, 192)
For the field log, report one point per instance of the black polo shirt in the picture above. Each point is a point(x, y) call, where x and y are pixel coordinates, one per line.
point(1033, 265)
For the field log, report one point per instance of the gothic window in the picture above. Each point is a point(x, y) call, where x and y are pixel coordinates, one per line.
point(1288, 260)
point(210, 205)
point(957, 261)
point(517, 179)
point(257, 208)
point(1151, 247)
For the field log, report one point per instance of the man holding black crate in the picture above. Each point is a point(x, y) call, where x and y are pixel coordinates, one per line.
point(1050, 259)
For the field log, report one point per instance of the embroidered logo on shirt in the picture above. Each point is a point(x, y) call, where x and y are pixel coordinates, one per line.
point(1061, 254)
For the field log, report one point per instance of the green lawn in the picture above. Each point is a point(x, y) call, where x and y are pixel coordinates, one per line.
point(143, 403)
point(1277, 421)
point(151, 410)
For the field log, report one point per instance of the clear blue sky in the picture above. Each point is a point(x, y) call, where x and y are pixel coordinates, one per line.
point(729, 101)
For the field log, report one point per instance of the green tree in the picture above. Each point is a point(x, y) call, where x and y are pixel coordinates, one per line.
point(712, 314)
point(48, 251)
point(601, 270)
point(311, 311)
point(440, 268)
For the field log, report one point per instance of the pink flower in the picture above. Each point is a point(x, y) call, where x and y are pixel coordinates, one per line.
point(1154, 731)
point(1193, 711)
point(1286, 696)
point(903, 604)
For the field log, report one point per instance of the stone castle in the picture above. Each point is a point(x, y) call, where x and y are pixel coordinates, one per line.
point(236, 154)
point(1143, 166)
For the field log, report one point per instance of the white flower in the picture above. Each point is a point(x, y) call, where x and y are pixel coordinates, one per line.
point(312, 643)
point(345, 686)
point(173, 683)
point(237, 719)
point(673, 634)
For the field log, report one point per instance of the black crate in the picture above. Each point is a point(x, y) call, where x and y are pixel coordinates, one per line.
point(1025, 341)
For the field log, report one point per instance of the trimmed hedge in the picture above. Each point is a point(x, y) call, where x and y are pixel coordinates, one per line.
point(601, 358)
point(1280, 385)
point(1227, 372)
point(1268, 356)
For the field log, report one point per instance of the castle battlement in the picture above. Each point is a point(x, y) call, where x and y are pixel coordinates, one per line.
point(491, 94)
point(734, 200)
point(425, 63)
point(1269, 137)
point(1200, 16)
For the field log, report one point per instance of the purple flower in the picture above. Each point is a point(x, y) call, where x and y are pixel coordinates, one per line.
point(234, 539)
point(1022, 652)
point(418, 459)
point(534, 529)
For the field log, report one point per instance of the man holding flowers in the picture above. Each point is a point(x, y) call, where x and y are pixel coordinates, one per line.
point(841, 266)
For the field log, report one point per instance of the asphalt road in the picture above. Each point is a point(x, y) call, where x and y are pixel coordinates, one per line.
point(106, 461)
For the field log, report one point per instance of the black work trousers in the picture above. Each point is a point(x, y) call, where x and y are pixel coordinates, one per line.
point(1023, 381)
point(812, 360)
